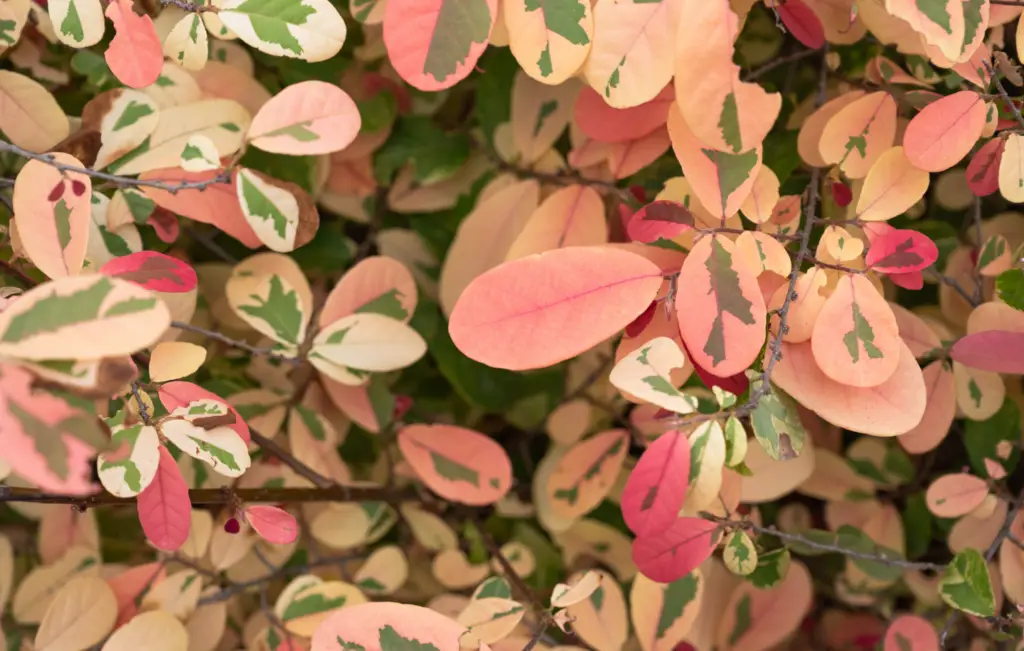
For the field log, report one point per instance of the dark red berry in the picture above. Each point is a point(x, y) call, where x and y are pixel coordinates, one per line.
point(78, 188)
point(232, 526)
point(638, 192)
point(637, 326)
point(842, 194)
point(57, 192)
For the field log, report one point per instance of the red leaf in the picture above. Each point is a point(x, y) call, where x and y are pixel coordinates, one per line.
point(634, 329)
point(659, 220)
point(841, 194)
point(601, 122)
point(656, 488)
point(672, 553)
point(154, 271)
point(135, 55)
point(998, 351)
point(983, 170)
point(913, 280)
point(901, 251)
point(165, 223)
point(802, 22)
point(165, 511)
point(272, 524)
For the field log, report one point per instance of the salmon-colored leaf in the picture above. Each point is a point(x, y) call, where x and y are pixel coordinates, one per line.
point(542, 309)
point(998, 351)
point(858, 133)
point(572, 216)
point(273, 524)
point(433, 44)
point(911, 633)
point(721, 309)
point(135, 55)
point(458, 464)
point(674, 551)
point(956, 494)
point(179, 393)
point(656, 488)
point(660, 219)
point(892, 186)
point(307, 118)
point(165, 511)
point(601, 122)
point(585, 474)
point(945, 131)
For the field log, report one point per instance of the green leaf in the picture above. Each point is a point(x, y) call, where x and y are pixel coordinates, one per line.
point(453, 470)
point(270, 20)
point(777, 426)
point(729, 123)
point(390, 640)
point(1010, 286)
point(460, 24)
point(729, 298)
point(310, 605)
point(966, 585)
point(677, 596)
point(917, 523)
point(280, 311)
point(378, 112)
point(733, 170)
point(387, 304)
point(72, 24)
point(771, 568)
point(140, 206)
point(433, 154)
point(54, 312)
point(312, 423)
point(132, 113)
point(742, 624)
point(494, 586)
point(981, 438)
point(259, 205)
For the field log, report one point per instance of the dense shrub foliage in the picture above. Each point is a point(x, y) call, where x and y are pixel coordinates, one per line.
point(428, 325)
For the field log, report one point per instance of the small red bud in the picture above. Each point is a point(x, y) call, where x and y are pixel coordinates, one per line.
point(842, 194)
point(57, 192)
point(232, 526)
point(974, 256)
point(638, 192)
point(78, 188)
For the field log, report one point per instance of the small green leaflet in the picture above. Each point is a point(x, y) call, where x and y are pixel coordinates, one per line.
point(861, 334)
point(312, 423)
point(771, 568)
point(311, 605)
point(733, 170)
point(391, 640)
point(561, 17)
point(1010, 286)
point(597, 598)
point(280, 310)
point(935, 11)
point(729, 123)
point(453, 470)
point(546, 110)
point(494, 586)
point(140, 206)
point(677, 596)
point(259, 205)
point(62, 218)
point(994, 247)
point(6, 29)
point(389, 304)
point(220, 454)
point(130, 306)
point(729, 298)
point(132, 113)
point(460, 24)
point(966, 585)
point(742, 624)
point(54, 312)
point(270, 20)
point(349, 646)
point(298, 131)
point(777, 425)
point(371, 585)
point(972, 22)
point(72, 24)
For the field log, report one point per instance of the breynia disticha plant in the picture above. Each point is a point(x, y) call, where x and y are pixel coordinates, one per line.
point(430, 325)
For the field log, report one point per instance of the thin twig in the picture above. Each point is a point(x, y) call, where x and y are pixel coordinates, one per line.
point(275, 450)
point(954, 283)
point(143, 409)
point(279, 573)
point(1002, 92)
point(768, 67)
point(123, 181)
point(236, 343)
point(191, 7)
point(23, 278)
point(212, 496)
point(978, 280)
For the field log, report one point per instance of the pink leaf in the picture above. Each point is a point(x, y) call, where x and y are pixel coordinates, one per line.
point(165, 511)
point(735, 384)
point(604, 123)
point(131, 583)
point(135, 55)
point(656, 488)
point(273, 524)
point(998, 351)
point(659, 220)
point(636, 328)
point(672, 553)
point(983, 170)
point(165, 224)
point(901, 251)
point(802, 23)
point(180, 393)
point(154, 271)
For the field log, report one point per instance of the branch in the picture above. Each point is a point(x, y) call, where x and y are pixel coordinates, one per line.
point(768, 67)
point(284, 571)
point(190, 7)
point(23, 278)
point(170, 186)
point(1002, 90)
point(275, 450)
point(224, 339)
point(978, 280)
point(954, 283)
point(218, 496)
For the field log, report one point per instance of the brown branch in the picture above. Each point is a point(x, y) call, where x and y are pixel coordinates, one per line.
point(236, 343)
point(978, 280)
point(275, 450)
point(781, 61)
point(954, 283)
point(123, 181)
point(217, 496)
point(9, 268)
point(1006, 96)
point(190, 7)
